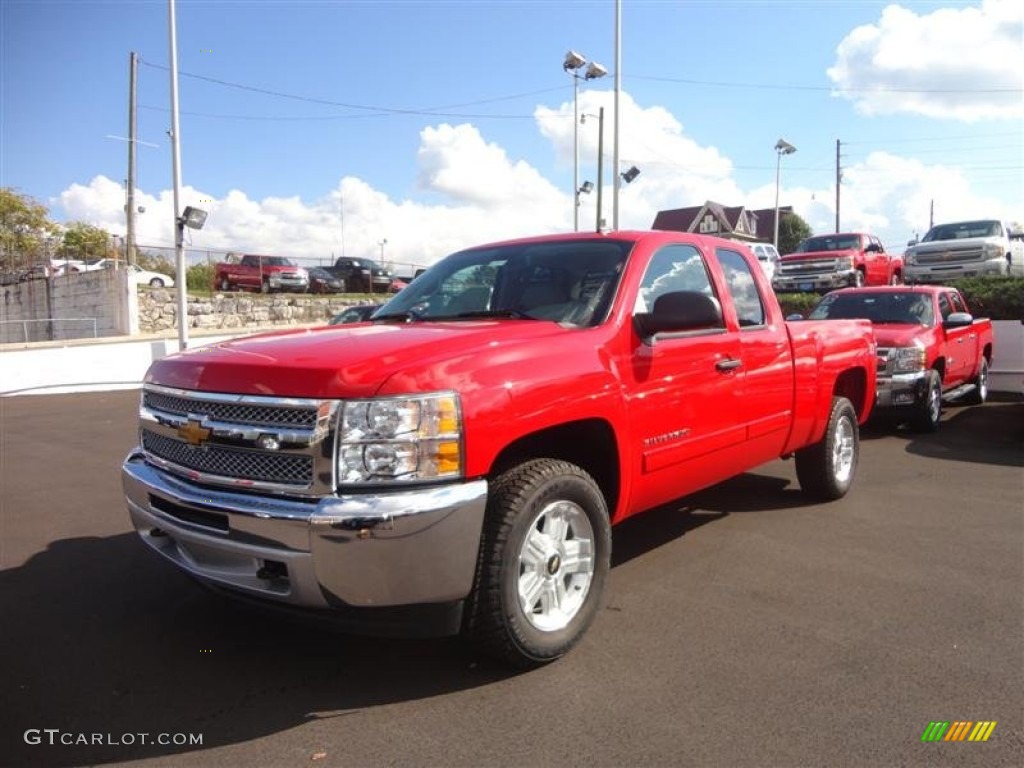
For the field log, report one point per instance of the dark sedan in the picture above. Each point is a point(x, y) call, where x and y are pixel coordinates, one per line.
point(322, 281)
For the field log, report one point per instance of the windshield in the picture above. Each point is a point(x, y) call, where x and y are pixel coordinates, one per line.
point(276, 261)
point(963, 229)
point(568, 281)
point(829, 243)
point(889, 307)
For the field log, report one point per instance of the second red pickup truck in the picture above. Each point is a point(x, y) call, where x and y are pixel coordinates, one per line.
point(930, 347)
point(457, 463)
point(261, 273)
point(824, 262)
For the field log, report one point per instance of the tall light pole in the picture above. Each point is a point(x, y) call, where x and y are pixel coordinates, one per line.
point(573, 63)
point(382, 243)
point(179, 230)
point(782, 147)
point(600, 163)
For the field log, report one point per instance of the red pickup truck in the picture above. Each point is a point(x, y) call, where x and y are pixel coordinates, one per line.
point(457, 463)
point(261, 273)
point(930, 347)
point(825, 262)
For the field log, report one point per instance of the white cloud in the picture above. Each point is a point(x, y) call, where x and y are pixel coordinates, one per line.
point(954, 63)
point(478, 193)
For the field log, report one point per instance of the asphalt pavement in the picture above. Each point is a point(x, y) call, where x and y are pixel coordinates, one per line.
point(742, 626)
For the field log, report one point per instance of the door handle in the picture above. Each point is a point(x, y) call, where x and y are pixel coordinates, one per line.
point(728, 365)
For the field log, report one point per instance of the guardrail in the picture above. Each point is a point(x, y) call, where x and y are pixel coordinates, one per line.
point(50, 331)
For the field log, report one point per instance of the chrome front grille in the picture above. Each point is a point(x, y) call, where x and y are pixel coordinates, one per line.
point(939, 257)
point(234, 413)
point(809, 267)
point(265, 466)
point(276, 444)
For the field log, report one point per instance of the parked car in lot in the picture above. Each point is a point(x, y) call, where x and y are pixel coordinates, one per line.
point(930, 347)
point(767, 256)
point(357, 314)
point(362, 275)
point(826, 262)
point(261, 273)
point(139, 275)
point(985, 247)
point(322, 281)
point(457, 464)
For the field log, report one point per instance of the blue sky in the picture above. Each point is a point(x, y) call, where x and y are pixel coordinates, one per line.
point(312, 127)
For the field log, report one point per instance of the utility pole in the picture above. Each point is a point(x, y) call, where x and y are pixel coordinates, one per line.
point(600, 164)
point(133, 70)
point(839, 182)
point(931, 214)
point(179, 229)
point(616, 178)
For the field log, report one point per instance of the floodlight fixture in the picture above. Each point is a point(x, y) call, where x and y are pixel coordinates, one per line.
point(573, 61)
point(783, 147)
point(594, 71)
point(587, 187)
point(193, 218)
point(632, 173)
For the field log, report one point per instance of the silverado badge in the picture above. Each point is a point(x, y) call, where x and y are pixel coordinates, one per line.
point(193, 432)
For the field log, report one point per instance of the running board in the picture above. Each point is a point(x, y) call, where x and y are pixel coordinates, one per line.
point(958, 392)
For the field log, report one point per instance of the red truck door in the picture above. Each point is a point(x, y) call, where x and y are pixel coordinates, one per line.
point(766, 378)
point(961, 343)
point(681, 391)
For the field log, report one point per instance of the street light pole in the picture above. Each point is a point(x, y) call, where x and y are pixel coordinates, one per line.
point(572, 64)
point(782, 147)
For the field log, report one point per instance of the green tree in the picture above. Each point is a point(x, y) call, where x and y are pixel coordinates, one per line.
point(792, 229)
point(84, 241)
point(24, 228)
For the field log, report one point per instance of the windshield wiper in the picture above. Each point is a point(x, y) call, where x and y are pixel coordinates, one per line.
point(517, 314)
point(408, 315)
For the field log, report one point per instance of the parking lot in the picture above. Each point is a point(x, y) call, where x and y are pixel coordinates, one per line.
point(742, 626)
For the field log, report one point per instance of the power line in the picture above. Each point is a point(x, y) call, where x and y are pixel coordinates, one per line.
point(379, 110)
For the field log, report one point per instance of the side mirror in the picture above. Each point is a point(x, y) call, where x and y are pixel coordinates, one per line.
point(794, 317)
point(679, 311)
point(912, 242)
point(958, 320)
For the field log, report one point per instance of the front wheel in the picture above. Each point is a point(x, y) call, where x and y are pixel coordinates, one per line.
point(156, 282)
point(225, 284)
point(928, 412)
point(858, 278)
point(544, 557)
point(826, 469)
point(265, 286)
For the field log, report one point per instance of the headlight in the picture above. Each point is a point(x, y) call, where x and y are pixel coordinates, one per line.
point(907, 359)
point(992, 251)
point(910, 258)
point(844, 263)
point(400, 440)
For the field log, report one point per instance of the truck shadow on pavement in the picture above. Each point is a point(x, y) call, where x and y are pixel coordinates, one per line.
point(101, 638)
point(991, 434)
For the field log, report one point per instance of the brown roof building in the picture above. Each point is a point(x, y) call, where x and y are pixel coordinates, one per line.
point(716, 219)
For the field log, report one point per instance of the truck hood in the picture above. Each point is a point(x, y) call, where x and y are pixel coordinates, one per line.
point(349, 361)
point(961, 244)
point(897, 334)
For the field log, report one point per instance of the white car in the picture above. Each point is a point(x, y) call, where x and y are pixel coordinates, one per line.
point(767, 257)
point(139, 275)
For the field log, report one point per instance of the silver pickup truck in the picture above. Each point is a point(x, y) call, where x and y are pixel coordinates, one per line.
point(985, 247)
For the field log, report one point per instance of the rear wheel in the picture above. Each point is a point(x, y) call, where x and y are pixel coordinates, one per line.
point(979, 394)
point(928, 412)
point(544, 557)
point(826, 469)
point(156, 282)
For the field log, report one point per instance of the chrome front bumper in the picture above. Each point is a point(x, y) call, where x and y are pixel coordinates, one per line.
point(363, 551)
point(814, 282)
point(942, 273)
point(901, 389)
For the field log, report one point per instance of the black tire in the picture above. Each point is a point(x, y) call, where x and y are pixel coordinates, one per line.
point(156, 282)
point(979, 394)
point(897, 279)
point(265, 286)
point(858, 278)
point(225, 285)
point(827, 468)
point(928, 412)
point(554, 503)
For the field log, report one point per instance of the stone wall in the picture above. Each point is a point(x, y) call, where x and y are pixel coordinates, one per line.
point(158, 310)
point(72, 306)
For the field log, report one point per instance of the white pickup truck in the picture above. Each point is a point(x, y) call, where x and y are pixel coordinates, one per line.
point(964, 249)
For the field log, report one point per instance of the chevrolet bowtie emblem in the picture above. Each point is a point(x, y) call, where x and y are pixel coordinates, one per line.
point(193, 432)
